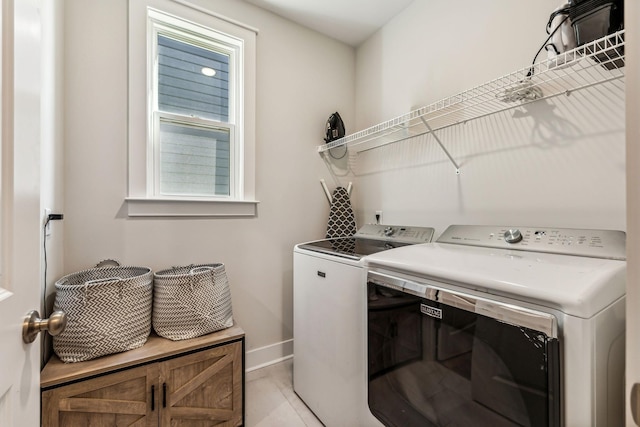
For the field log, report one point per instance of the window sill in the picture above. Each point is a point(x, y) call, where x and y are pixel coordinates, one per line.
point(147, 207)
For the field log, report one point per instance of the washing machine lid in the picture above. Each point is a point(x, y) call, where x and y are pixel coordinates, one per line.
point(576, 285)
point(350, 247)
point(370, 239)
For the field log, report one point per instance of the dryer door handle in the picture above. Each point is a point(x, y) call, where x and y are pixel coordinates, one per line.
point(495, 309)
point(635, 403)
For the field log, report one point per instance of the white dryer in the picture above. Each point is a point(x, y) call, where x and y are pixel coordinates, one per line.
point(499, 326)
point(329, 320)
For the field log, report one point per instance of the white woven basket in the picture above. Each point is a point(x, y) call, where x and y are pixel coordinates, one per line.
point(108, 311)
point(191, 301)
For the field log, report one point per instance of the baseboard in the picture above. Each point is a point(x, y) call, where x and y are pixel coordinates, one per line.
point(268, 355)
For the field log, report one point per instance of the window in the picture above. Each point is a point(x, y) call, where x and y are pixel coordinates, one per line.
point(191, 112)
point(193, 91)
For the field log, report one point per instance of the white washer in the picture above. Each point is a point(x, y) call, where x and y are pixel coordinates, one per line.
point(329, 321)
point(516, 326)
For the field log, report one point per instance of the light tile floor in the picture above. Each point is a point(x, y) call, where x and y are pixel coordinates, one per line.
point(270, 399)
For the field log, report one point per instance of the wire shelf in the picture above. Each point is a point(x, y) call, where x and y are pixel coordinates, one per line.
point(593, 63)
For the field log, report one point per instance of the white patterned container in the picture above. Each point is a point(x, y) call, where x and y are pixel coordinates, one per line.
point(108, 311)
point(191, 301)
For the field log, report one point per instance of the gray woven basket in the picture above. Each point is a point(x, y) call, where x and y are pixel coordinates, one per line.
point(191, 301)
point(108, 311)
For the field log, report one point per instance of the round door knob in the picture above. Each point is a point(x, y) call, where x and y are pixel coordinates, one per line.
point(512, 236)
point(32, 325)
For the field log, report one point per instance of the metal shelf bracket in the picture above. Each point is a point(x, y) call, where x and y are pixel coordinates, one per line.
point(441, 145)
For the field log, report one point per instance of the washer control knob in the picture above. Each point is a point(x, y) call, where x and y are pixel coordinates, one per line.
point(388, 231)
point(512, 236)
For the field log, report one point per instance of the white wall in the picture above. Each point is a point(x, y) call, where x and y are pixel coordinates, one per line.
point(632, 344)
point(302, 77)
point(52, 149)
point(558, 162)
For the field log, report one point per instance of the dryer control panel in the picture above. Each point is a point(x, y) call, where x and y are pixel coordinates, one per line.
point(396, 233)
point(609, 244)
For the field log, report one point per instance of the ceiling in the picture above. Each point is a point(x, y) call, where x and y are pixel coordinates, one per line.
point(350, 21)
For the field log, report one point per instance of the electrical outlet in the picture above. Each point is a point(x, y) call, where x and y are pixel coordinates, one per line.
point(47, 212)
point(378, 217)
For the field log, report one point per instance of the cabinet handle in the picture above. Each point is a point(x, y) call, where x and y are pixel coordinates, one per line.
point(153, 398)
point(164, 395)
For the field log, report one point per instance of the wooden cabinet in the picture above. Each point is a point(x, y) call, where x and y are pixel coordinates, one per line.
point(118, 399)
point(201, 386)
point(197, 382)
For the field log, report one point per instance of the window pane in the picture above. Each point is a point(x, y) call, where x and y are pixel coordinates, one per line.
point(194, 160)
point(182, 86)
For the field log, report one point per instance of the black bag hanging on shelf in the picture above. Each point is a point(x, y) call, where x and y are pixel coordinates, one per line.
point(593, 19)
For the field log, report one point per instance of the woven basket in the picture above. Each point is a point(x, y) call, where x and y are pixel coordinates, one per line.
point(191, 301)
point(108, 311)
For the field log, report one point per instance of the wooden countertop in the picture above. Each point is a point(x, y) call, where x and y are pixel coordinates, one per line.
point(57, 372)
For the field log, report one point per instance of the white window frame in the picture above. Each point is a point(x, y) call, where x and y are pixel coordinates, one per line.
point(180, 19)
point(160, 23)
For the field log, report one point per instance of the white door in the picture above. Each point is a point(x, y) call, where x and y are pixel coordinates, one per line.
point(20, 223)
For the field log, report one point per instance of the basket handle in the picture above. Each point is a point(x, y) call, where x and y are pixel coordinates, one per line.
point(108, 263)
point(200, 270)
point(106, 279)
point(97, 281)
point(195, 271)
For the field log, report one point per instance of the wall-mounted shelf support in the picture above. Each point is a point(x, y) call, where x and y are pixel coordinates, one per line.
point(441, 145)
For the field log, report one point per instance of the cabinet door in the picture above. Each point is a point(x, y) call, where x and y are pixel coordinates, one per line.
point(120, 399)
point(203, 389)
